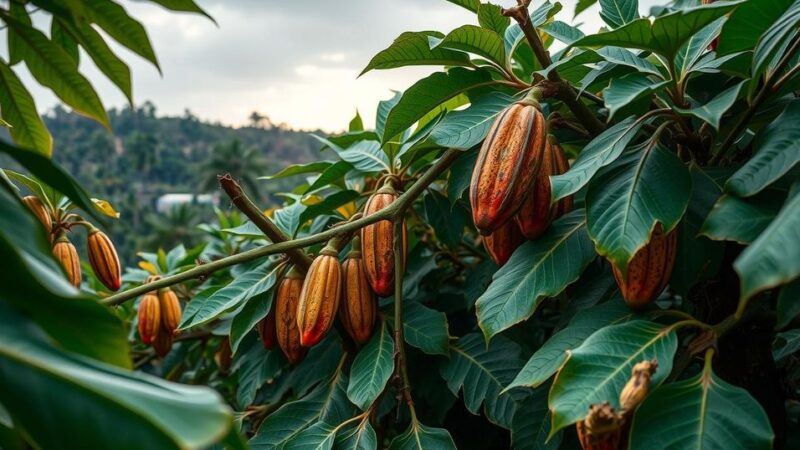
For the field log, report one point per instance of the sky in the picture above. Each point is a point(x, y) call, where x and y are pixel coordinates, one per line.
point(295, 61)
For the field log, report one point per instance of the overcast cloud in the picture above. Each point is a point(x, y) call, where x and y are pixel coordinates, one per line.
point(296, 61)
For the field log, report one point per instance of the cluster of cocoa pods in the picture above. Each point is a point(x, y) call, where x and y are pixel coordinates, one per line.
point(305, 306)
point(159, 315)
point(510, 195)
point(102, 254)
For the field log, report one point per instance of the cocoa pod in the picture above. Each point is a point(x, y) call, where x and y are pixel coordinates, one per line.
point(536, 213)
point(266, 330)
point(637, 386)
point(67, 255)
point(162, 343)
point(170, 310)
point(319, 299)
point(601, 429)
point(103, 259)
point(287, 297)
point(40, 211)
point(377, 243)
point(224, 355)
point(507, 165)
point(649, 269)
point(149, 317)
point(359, 307)
point(503, 241)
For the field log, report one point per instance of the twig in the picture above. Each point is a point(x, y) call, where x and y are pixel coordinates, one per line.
point(399, 270)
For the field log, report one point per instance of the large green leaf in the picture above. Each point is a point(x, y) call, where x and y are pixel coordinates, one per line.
point(183, 6)
point(703, 412)
point(425, 328)
point(61, 399)
point(538, 269)
point(299, 169)
point(695, 47)
point(774, 39)
point(18, 109)
point(712, 111)
point(331, 175)
point(598, 369)
point(645, 187)
point(411, 49)
point(600, 152)
point(627, 89)
point(747, 23)
point(428, 93)
point(740, 220)
point(256, 366)
point(420, 437)
point(474, 39)
point(113, 19)
point(617, 13)
point(491, 17)
point(774, 258)
point(777, 150)
point(360, 437)
point(482, 373)
point(465, 128)
point(531, 425)
point(372, 368)
point(549, 358)
point(319, 436)
point(254, 309)
point(366, 156)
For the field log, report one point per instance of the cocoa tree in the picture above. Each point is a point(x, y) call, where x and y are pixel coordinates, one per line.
point(623, 272)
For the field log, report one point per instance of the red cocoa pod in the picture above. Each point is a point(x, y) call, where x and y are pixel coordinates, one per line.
point(104, 260)
point(377, 243)
point(170, 310)
point(649, 269)
point(359, 307)
point(507, 165)
point(162, 343)
point(266, 330)
point(149, 317)
point(601, 429)
point(40, 211)
point(503, 241)
point(67, 255)
point(287, 297)
point(536, 213)
point(319, 299)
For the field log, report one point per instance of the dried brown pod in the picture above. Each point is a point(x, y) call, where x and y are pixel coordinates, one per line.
point(601, 429)
point(636, 388)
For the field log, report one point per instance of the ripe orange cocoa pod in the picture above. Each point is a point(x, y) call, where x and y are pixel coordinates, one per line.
point(377, 243)
point(503, 241)
point(266, 330)
point(507, 165)
point(319, 299)
point(170, 310)
point(149, 317)
point(40, 211)
point(287, 297)
point(649, 269)
point(162, 343)
point(67, 255)
point(104, 260)
point(536, 213)
point(601, 429)
point(359, 307)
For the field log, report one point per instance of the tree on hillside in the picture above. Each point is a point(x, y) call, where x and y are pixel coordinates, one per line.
point(244, 163)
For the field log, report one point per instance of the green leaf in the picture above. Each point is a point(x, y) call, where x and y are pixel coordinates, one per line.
point(531, 425)
point(412, 49)
point(425, 328)
point(64, 39)
point(329, 204)
point(740, 220)
point(549, 358)
point(135, 410)
point(257, 366)
point(710, 414)
point(54, 68)
point(356, 124)
point(288, 217)
point(712, 111)
point(777, 150)
point(482, 372)
point(448, 223)
point(491, 17)
point(319, 436)
point(747, 23)
point(16, 48)
point(299, 169)
point(788, 304)
point(629, 88)
point(366, 156)
point(474, 39)
point(617, 13)
point(19, 110)
point(460, 175)
point(371, 368)
point(331, 175)
point(384, 108)
point(772, 42)
point(786, 344)
point(695, 47)
point(598, 369)
point(471, 5)
point(541, 15)
point(428, 93)
point(645, 187)
point(359, 437)
point(774, 258)
point(113, 19)
point(600, 152)
point(254, 309)
point(420, 437)
point(183, 6)
point(539, 269)
point(465, 128)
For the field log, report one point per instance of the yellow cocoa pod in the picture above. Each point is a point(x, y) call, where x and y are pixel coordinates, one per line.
point(170, 310)
point(507, 165)
point(149, 317)
point(649, 269)
point(162, 343)
point(104, 260)
point(502, 242)
point(40, 211)
point(359, 307)
point(287, 297)
point(536, 213)
point(377, 243)
point(319, 299)
point(67, 255)
point(601, 429)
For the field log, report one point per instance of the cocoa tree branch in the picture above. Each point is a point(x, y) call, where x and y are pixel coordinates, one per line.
point(254, 213)
point(389, 213)
point(399, 340)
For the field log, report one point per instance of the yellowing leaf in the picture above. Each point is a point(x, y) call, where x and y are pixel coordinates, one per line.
point(148, 266)
point(105, 208)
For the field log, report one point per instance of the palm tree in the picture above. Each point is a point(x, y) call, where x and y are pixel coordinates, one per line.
point(244, 163)
point(175, 226)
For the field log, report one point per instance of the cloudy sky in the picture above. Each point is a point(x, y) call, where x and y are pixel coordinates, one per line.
point(296, 61)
